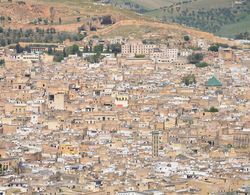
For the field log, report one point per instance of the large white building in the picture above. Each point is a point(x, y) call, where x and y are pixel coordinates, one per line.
point(137, 47)
point(155, 52)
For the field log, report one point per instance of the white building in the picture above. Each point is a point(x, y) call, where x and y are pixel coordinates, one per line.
point(29, 57)
point(164, 55)
point(137, 47)
point(153, 51)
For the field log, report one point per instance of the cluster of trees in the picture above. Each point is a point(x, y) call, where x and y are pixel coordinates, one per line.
point(20, 49)
point(98, 49)
point(128, 5)
point(135, 7)
point(215, 47)
point(40, 21)
point(211, 20)
point(113, 48)
point(195, 58)
point(74, 49)
point(189, 79)
point(243, 36)
point(96, 58)
point(5, 19)
point(49, 35)
point(59, 56)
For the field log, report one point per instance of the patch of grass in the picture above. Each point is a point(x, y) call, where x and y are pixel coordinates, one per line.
point(131, 31)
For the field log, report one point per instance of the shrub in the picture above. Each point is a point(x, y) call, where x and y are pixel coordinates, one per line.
point(212, 109)
point(202, 65)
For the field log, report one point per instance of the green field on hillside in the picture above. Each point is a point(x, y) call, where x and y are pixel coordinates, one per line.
point(237, 28)
point(222, 17)
point(132, 31)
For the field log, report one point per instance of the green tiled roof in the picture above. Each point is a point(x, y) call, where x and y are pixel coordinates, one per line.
point(213, 82)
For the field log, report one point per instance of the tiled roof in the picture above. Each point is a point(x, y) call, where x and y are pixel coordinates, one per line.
point(213, 82)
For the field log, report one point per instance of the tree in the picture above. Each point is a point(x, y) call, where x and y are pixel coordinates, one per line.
point(1, 169)
point(2, 62)
point(189, 79)
point(52, 14)
point(74, 49)
point(60, 20)
point(50, 51)
point(1, 30)
point(98, 48)
point(2, 42)
point(46, 22)
point(19, 49)
point(116, 48)
point(86, 49)
point(27, 49)
point(195, 58)
point(58, 57)
point(214, 48)
point(186, 38)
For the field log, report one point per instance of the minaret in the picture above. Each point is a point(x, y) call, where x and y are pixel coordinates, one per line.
point(155, 143)
point(165, 136)
point(156, 66)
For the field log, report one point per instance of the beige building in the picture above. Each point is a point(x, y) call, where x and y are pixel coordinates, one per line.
point(57, 101)
point(137, 48)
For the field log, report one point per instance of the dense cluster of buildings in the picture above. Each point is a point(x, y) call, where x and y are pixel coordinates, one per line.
point(127, 125)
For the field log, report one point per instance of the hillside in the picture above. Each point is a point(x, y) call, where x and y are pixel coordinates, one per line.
point(62, 15)
point(216, 16)
point(95, 18)
point(154, 30)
